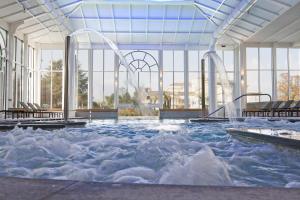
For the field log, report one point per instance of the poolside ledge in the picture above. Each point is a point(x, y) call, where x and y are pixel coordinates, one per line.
point(29, 189)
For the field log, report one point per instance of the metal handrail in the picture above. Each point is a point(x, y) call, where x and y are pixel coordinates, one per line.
point(243, 95)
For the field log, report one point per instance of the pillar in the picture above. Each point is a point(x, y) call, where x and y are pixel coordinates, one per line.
point(10, 55)
point(243, 72)
point(212, 85)
point(274, 77)
point(116, 82)
point(66, 79)
point(72, 81)
point(237, 80)
point(186, 79)
point(25, 71)
point(160, 74)
point(90, 79)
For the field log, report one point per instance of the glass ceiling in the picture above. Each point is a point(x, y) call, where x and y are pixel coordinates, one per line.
point(151, 22)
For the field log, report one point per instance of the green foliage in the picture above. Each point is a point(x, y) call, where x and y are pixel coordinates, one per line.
point(56, 85)
point(167, 101)
point(82, 89)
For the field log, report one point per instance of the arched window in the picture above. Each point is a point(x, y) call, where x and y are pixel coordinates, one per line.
point(145, 70)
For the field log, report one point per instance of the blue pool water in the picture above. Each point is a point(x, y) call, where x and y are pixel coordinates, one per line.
point(149, 151)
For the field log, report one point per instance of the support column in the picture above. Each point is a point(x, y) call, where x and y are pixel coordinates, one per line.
point(212, 93)
point(116, 82)
point(10, 55)
point(237, 80)
point(26, 68)
point(37, 78)
point(160, 74)
point(274, 76)
point(66, 79)
point(90, 79)
point(186, 79)
point(203, 87)
point(72, 81)
point(243, 73)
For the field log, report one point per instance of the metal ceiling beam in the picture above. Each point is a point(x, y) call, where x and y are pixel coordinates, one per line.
point(147, 23)
point(58, 16)
point(33, 16)
point(243, 28)
point(8, 5)
point(193, 22)
point(177, 25)
point(237, 13)
point(12, 14)
point(159, 32)
point(204, 14)
point(280, 3)
point(139, 18)
point(183, 2)
point(40, 29)
point(258, 17)
point(218, 8)
point(210, 8)
point(114, 22)
point(32, 25)
point(163, 26)
point(85, 25)
point(67, 5)
point(99, 21)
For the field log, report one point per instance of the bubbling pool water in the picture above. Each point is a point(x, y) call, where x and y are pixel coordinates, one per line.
point(169, 152)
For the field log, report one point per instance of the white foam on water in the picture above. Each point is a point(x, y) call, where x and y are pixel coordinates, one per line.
point(94, 157)
point(165, 153)
point(203, 168)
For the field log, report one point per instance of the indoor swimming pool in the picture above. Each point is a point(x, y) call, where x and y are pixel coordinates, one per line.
point(151, 152)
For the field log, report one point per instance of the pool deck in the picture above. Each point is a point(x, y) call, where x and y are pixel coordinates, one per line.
point(30, 189)
point(241, 119)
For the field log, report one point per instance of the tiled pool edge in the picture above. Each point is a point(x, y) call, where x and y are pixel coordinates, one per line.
point(31, 189)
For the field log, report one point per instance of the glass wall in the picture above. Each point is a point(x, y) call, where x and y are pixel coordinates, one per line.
point(82, 78)
point(288, 73)
point(51, 69)
point(31, 75)
point(259, 72)
point(18, 72)
point(144, 71)
point(173, 79)
point(195, 87)
point(103, 79)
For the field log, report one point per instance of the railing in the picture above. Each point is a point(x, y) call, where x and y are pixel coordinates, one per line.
point(244, 95)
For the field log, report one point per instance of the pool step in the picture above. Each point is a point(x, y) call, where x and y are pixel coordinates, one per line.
point(42, 125)
point(277, 136)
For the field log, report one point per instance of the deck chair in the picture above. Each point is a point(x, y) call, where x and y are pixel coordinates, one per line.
point(284, 108)
point(294, 108)
point(27, 109)
point(43, 111)
point(39, 107)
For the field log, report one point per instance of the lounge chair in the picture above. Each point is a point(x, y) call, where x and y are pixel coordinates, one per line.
point(14, 112)
point(294, 108)
point(257, 109)
point(35, 107)
point(28, 109)
point(283, 108)
point(39, 107)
